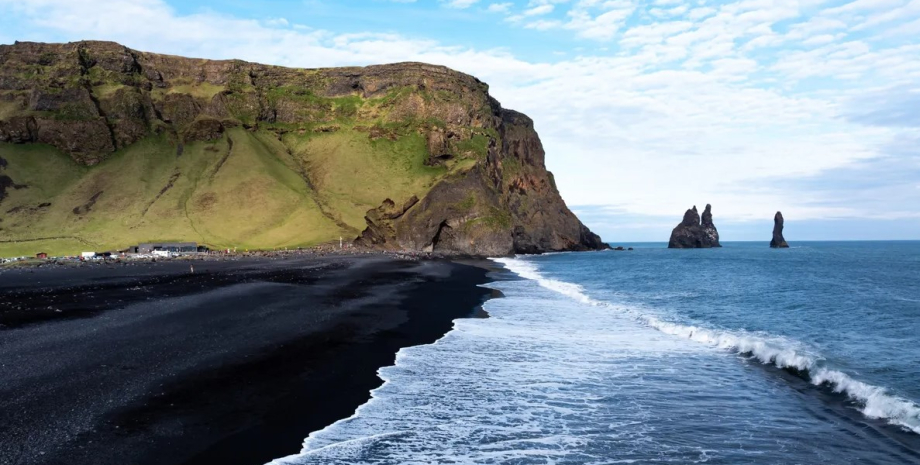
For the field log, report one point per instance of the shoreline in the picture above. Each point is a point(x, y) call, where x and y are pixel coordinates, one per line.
point(235, 364)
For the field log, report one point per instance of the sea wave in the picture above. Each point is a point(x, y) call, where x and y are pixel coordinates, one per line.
point(874, 402)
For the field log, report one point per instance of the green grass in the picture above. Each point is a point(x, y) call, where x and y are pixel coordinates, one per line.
point(46, 171)
point(354, 174)
point(105, 91)
point(477, 146)
point(201, 91)
point(265, 193)
point(255, 200)
point(467, 204)
point(204, 90)
point(315, 108)
point(8, 109)
point(394, 95)
point(54, 247)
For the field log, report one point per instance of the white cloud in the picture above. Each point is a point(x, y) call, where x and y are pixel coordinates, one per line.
point(909, 10)
point(862, 6)
point(591, 19)
point(700, 13)
point(539, 10)
point(543, 24)
point(277, 22)
point(460, 4)
point(603, 26)
point(820, 39)
point(499, 7)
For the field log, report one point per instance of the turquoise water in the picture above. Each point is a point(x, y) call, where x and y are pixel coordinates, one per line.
point(736, 355)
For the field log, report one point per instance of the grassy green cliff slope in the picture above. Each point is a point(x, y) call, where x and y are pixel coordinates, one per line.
point(102, 147)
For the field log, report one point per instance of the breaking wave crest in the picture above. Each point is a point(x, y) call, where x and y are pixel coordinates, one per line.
point(874, 402)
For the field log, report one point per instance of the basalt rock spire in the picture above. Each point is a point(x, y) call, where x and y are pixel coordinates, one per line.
point(778, 241)
point(709, 229)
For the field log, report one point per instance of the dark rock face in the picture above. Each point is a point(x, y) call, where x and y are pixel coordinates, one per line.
point(688, 234)
point(380, 227)
point(19, 130)
point(541, 222)
point(506, 204)
point(203, 129)
point(694, 232)
point(459, 216)
point(778, 241)
point(86, 141)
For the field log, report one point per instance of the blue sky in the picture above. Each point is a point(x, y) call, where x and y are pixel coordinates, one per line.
point(645, 107)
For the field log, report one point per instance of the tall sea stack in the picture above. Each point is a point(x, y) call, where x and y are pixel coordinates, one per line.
point(709, 229)
point(778, 241)
point(692, 233)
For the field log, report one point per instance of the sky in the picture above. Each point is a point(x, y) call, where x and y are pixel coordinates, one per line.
point(645, 108)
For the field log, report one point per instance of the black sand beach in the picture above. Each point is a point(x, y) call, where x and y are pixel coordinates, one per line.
point(234, 364)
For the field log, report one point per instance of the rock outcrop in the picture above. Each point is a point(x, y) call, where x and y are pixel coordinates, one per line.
point(486, 190)
point(694, 232)
point(507, 203)
point(778, 241)
point(709, 229)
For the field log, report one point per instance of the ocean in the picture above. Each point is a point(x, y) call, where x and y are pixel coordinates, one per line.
point(743, 354)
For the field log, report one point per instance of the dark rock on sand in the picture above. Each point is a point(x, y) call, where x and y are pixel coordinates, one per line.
point(695, 233)
point(778, 241)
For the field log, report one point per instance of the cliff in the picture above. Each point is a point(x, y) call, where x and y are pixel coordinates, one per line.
point(778, 241)
point(103, 146)
point(695, 232)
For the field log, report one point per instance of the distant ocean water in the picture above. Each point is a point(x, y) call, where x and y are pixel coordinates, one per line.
point(736, 355)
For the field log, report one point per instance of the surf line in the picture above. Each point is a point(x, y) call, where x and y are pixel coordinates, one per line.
point(875, 402)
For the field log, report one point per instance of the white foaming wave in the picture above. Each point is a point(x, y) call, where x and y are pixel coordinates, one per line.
point(876, 402)
point(474, 396)
point(529, 270)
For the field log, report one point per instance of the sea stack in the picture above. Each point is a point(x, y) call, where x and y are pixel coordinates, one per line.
point(692, 233)
point(778, 241)
point(709, 229)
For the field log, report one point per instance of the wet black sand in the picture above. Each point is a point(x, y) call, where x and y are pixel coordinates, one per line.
point(234, 364)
